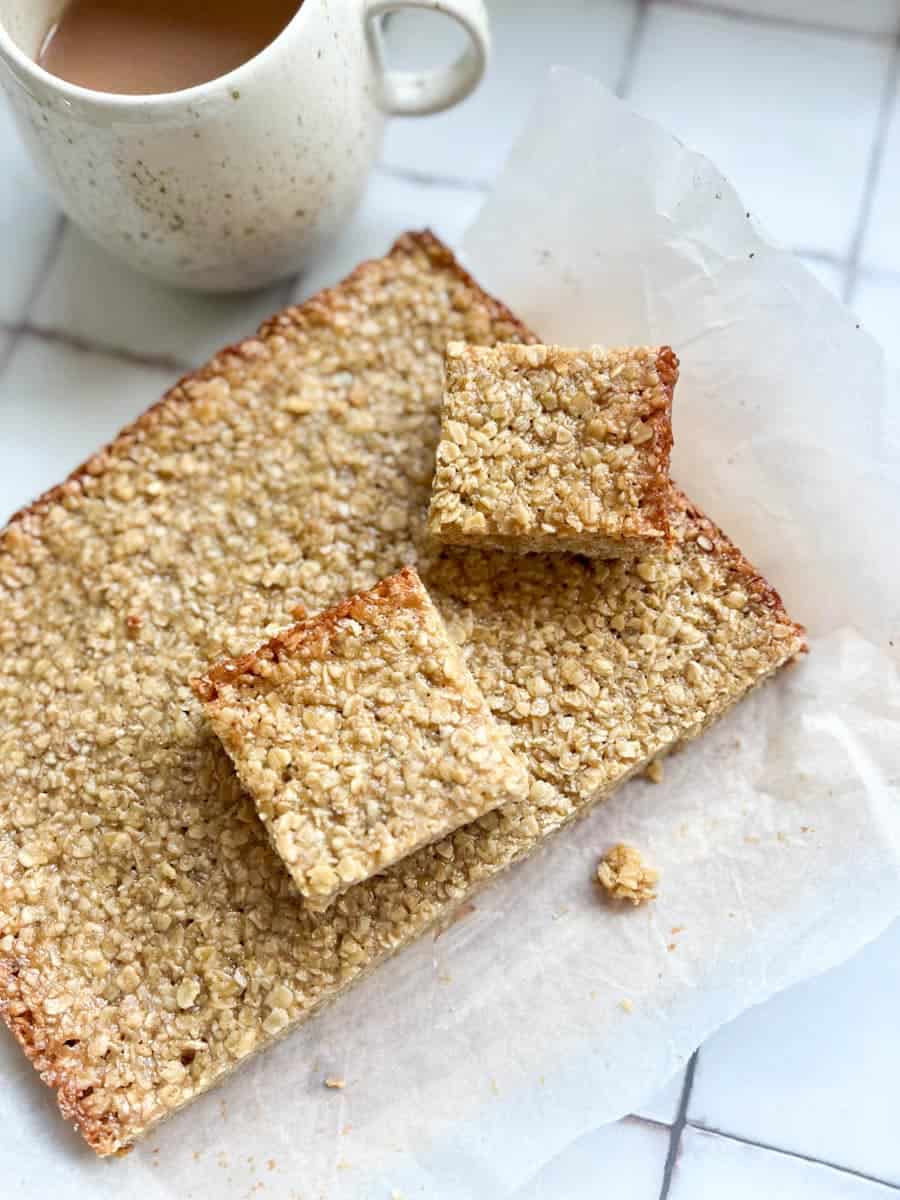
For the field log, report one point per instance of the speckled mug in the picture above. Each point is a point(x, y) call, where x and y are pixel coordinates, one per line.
point(234, 183)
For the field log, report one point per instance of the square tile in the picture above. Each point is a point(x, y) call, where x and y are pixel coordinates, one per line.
point(709, 1166)
point(123, 310)
point(860, 16)
point(815, 1069)
point(881, 248)
point(472, 140)
point(29, 221)
point(788, 115)
point(876, 301)
point(625, 1160)
point(392, 206)
point(57, 405)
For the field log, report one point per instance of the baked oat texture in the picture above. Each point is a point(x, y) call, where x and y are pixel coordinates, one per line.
point(548, 449)
point(361, 736)
point(150, 938)
point(623, 875)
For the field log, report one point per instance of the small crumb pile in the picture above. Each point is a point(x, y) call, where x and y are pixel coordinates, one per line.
point(622, 874)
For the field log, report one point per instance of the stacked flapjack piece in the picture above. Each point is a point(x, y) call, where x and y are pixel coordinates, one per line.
point(154, 931)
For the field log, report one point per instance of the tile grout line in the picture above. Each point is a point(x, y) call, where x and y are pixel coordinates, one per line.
point(59, 337)
point(829, 259)
point(678, 1126)
point(43, 273)
point(822, 256)
point(807, 1158)
point(889, 95)
point(633, 48)
point(428, 179)
point(793, 24)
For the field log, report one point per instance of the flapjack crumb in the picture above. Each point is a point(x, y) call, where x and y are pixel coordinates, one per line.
point(623, 875)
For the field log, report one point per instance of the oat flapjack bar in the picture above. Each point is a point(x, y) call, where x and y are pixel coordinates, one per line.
point(361, 736)
point(550, 449)
point(150, 938)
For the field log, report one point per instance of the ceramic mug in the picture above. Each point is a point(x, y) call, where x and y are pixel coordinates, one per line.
point(236, 182)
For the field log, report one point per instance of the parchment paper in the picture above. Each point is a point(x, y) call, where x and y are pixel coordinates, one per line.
point(472, 1059)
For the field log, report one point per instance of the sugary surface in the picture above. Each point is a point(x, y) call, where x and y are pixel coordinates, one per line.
point(361, 736)
point(551, 449)
point(150, 938)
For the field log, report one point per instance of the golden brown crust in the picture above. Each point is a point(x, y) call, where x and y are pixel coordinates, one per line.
point(658, 497)
point(402, 590)
point(690, 523)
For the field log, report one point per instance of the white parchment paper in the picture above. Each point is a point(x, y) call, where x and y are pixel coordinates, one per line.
point(473, 1058)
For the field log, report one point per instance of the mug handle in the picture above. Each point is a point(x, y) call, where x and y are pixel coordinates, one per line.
point(416, 93)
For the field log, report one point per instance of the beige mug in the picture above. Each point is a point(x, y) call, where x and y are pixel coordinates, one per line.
point(238, 181)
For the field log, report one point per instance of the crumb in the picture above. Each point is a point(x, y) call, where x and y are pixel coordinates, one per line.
point(654, 771)
point(807, 829)
point(623, 875)
point(332, 1081)
point(752, 839)
point(626, 1005)
point(782, 836)
point(672, 946)
point(676, 929)
point(271, 1164)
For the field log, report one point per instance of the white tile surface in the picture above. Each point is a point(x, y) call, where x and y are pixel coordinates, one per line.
point(862, 16)
point(877, 303)
point(816, 1069)
point(881, 247)
point(709, 1167)
point(57, 406)
point(472, 141)
point(28, 221)
point(92, 296)
point(392, 206)
point(789, 115)
point(664, 1105)
point(625, 1160)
